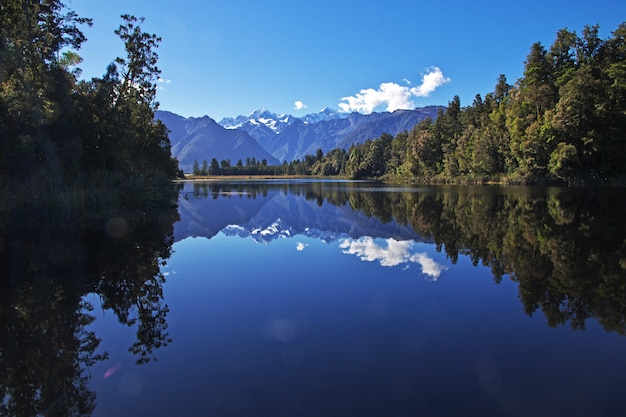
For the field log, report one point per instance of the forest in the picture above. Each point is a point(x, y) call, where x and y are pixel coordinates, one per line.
point(59, 133)
point(563, 122)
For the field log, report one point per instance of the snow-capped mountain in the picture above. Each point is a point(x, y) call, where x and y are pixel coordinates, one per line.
point(323, 115)
point(287, 138)
point(277, 138)
point(277, 123)
point(260, 117)
point(202, 139)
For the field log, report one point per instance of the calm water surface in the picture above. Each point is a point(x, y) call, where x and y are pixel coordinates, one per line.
point(296, 298)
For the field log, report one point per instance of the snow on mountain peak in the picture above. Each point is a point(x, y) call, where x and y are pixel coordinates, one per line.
point(323, 115)
point(260, 113)
point(278, 122)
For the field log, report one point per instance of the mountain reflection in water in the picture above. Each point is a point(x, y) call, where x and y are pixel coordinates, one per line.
point(260, 288)
point(566, 248)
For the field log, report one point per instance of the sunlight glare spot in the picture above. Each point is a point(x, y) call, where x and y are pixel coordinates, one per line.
point(282, 330)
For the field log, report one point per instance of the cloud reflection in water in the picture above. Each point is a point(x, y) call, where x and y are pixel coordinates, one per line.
point(393, 254)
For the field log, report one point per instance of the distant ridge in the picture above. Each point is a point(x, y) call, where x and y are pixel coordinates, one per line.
point(288, 138)
point(276, 138)
point(204, 139)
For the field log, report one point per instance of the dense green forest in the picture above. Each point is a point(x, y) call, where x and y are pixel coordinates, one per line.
point(56, 129)
point(563, 122)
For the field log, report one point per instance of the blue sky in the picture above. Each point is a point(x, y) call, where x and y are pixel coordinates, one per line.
point(231, 57)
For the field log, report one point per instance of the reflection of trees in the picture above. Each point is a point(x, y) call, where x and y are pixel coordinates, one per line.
point(571, 263)
point(127, 277)
point(50, 260)
point(566, 248)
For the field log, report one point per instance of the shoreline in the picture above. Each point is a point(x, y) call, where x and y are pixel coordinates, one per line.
point(215, 178)
point(618, 182)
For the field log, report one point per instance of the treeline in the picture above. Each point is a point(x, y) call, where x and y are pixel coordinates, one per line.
point(311, 165)
point(54, 125)
point(563, 122)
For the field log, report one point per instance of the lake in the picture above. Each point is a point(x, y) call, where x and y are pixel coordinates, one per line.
point(334, 298)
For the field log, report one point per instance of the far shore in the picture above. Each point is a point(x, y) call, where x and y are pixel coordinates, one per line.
point(245, 177)
point(613, 182)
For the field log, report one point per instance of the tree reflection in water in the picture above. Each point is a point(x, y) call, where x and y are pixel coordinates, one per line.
point(51, 257)
point(566, 248)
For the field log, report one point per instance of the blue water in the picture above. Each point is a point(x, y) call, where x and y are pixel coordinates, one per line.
point(274, 312)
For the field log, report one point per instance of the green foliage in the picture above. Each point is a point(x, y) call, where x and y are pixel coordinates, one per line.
point(564, 120)
point(214, 169)
point(564, 161)
point(85, 178)
point(54, 124)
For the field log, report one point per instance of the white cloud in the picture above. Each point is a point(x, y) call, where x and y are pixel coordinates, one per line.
point(298, 105)
point(394, 96)
point(300, 246)
point(429, 266)
point(433, 79)
point(395, 253)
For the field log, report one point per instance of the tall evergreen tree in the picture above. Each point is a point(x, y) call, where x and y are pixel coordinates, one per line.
point(32, 33)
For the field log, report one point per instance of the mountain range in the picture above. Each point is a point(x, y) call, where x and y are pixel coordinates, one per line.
point(200, 139)
point(276, 138)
